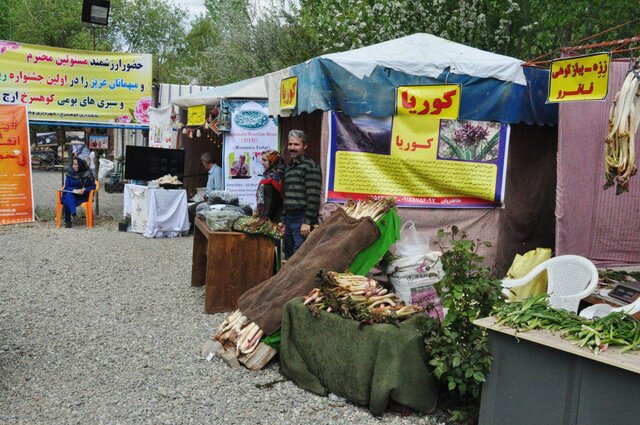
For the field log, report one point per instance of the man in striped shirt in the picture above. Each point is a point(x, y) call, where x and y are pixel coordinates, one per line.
point(302, 186)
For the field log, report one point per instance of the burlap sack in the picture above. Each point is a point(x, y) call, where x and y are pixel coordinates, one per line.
point(332, 246)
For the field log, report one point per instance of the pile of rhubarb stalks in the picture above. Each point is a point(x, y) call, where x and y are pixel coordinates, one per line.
point(357, 298)
point(238, 333)
point(375, 209)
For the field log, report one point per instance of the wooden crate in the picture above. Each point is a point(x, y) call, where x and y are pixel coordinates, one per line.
point(228, 264)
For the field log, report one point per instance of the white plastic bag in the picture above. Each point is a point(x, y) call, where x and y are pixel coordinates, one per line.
point(411, 242)
point(106, 167)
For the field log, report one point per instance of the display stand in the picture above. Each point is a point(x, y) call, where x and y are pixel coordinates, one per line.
point(538, 378)
point(229, 263)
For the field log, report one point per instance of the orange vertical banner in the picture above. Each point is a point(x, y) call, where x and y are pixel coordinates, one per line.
point(16, 188)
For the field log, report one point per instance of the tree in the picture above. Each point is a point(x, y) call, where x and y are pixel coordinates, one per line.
point(232, 41)
point(519, 28)
point(151, 26)
point(143, 26)
point(47, 22)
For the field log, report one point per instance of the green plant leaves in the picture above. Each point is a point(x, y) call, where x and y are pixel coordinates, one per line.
point(459, 351)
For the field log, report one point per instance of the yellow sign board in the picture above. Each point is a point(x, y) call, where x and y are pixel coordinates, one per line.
point(414, 138)
point(579, 78)
point(440, 101)
point(76, 85)
point(288, 93)
point(196, 115)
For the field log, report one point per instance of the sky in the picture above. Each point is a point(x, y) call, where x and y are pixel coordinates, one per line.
point(194, 7)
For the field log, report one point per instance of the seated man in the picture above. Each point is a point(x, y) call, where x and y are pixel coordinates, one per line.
point(214, 181)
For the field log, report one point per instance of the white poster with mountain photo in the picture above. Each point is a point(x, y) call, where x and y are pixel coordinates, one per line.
point(252, 132)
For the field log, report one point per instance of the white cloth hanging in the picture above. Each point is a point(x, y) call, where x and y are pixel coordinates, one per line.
point(161, 134)
point(139, 210)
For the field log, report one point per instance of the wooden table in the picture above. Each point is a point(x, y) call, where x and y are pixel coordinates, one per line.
point(229, 263)
point(538, 378)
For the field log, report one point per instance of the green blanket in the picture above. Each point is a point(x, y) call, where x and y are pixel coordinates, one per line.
point(369, 366)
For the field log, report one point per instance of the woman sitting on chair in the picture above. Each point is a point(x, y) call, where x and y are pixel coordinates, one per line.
point(78, 184)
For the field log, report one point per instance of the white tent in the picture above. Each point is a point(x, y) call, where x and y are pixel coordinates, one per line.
point(426, 54)
point(253, 88)
point(417, 54)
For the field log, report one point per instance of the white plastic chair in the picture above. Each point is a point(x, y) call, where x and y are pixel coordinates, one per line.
point(570, 278)
point(601, 310)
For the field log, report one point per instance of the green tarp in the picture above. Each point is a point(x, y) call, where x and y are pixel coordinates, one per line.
point(367, 366)
point(389, 226)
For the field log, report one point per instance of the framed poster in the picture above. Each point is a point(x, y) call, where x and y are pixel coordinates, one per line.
point(74, 136)
point(47, 139)
point(98, 141)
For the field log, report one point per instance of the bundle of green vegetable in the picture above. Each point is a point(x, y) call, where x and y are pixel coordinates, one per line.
point(357, 298)
point(616, 329)
point(613, 277)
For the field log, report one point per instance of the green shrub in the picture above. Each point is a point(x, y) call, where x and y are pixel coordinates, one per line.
point(459, 351)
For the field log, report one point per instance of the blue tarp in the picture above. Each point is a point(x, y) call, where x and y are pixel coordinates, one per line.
point(324, 85)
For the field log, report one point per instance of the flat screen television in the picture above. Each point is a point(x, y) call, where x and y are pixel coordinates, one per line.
point(143, 163)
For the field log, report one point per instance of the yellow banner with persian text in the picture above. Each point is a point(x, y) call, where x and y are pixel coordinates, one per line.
point(196, 115)
point(440, 101)
point(289, 93)
point(64, 85)
point(579, 78)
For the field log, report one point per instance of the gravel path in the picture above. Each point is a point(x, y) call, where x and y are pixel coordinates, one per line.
point(102, 327)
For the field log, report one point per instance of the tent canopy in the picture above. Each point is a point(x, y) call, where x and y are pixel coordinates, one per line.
point(253, 88)
point(363, 81)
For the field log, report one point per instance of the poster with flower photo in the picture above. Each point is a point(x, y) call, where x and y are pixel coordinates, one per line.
point(434, 163)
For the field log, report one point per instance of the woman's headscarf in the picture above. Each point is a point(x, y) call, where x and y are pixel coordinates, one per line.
point(272, 175)
point(273, 157)
point(83, 172)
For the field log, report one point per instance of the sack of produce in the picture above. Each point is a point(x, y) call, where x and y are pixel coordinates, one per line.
point(425, 265)
point(413, 279)
point(333, 245)
point(221, 220)
point(222, 197)
point(202, 209)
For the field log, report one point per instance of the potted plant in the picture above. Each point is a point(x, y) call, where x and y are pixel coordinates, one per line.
point(123, 225)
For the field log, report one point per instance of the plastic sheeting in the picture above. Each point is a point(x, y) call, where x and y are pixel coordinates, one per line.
point(325, 85)
point(253, 88)
point(494, 87)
